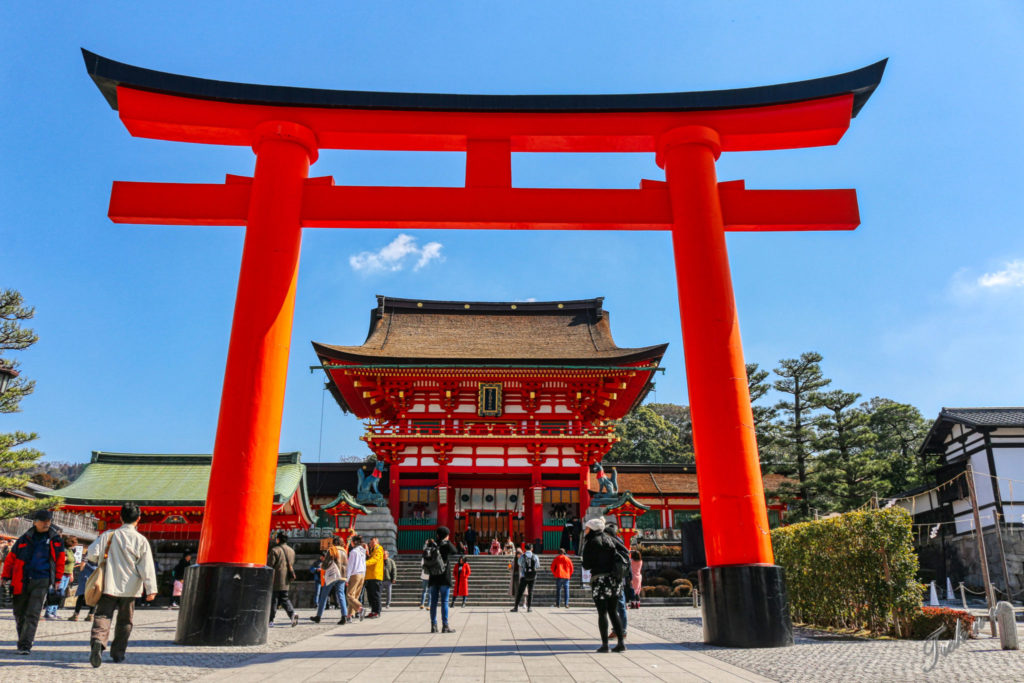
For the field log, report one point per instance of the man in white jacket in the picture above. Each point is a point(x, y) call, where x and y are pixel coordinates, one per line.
point(128, 573)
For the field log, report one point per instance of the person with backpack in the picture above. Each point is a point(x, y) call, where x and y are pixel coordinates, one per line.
point(333, 573)
point(529, 565)
point(611, 529)
point(461, 577)
point(436, 563)
point(607, 573)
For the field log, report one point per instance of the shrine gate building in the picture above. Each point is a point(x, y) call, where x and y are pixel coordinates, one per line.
point(491, 412)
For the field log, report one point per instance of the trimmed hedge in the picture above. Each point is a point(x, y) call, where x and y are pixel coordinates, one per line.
point(671, 575)
point(932, 618)
point(854, 571)
point(682, 590)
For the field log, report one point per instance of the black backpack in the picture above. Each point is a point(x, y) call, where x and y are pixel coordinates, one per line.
point(530, 570)
point(433, 563)
point(620, 564)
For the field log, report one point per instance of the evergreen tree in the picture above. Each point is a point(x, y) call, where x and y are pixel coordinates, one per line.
point(800, 379)
point(899, 430)
point(679, 416)
point(846, 469)
point(764, 415)
point(16, 460)
point(646, 436)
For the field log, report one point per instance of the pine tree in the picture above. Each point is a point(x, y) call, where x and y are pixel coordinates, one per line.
point(16, 460)
point(678, 416)
point(646, 436)
point(899, 429)
point(764, 416)
point(800, 379)
point(846, 469)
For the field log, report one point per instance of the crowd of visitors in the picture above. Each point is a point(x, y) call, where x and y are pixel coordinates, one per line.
point(41, 567)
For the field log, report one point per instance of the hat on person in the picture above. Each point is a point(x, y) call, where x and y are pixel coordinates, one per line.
point(43, 516)
point(595, 524)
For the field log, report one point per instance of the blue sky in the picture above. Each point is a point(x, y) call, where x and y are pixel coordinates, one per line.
point(921, 304)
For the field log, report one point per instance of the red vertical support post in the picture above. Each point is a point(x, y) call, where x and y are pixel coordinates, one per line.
point(231, 577)
point(535, 511)
point(745, 601)
point(394, 492)
point(445, 506)
point(584, 490)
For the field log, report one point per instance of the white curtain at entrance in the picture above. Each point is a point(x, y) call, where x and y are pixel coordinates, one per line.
point(499, 500)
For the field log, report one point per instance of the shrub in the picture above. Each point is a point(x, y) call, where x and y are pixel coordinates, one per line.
point(682, 590)
point(658, 581)
point(855, 570)
point(661, 591)
point(660, 550)
point(930, 619)
point(671, 575)
point(683, 582)
point(647, 591)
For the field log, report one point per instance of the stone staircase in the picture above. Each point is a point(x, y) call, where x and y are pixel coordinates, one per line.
point(489, 582)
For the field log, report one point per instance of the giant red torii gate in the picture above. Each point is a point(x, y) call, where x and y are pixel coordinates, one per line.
point(744, 592)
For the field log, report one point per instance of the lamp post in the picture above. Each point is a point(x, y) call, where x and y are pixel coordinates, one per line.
point(345, 510)
point(626, 510)
point(7, 375)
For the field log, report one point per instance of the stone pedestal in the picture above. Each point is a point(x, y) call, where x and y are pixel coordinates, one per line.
point(745, 606)
point(381, 524)
point(225, 604)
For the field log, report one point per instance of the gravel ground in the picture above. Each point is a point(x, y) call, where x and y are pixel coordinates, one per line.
point(61, 650)
point(819, 656)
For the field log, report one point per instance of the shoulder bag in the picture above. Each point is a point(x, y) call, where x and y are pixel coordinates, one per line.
point(94, 586)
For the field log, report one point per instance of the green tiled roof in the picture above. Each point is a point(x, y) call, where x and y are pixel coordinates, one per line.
point(157, 479)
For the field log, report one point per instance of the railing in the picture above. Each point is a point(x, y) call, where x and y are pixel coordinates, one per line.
point(82, 526)
point(417, 521)
point(487, 430)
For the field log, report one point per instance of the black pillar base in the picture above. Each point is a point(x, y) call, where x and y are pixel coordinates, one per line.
point(745, 606)
point(224, 604)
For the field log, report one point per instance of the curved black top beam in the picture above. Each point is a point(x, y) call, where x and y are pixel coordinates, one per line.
point(109, 74)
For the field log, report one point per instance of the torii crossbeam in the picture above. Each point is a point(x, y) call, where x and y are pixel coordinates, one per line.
point(744, 592)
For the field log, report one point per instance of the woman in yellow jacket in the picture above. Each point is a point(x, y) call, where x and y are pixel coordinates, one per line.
point(374, 576)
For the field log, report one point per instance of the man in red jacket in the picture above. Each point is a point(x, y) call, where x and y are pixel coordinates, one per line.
point(562, 568)
point(34, 566)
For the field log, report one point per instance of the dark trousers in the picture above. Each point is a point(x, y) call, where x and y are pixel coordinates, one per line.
point(27, 606)
point(523, 585)
point(608, 609)
point(373, 594)
point(80, 603)
point(281, 599)
point(122, 628)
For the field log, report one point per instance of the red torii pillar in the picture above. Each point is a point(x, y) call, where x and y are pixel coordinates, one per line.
point(744, 592)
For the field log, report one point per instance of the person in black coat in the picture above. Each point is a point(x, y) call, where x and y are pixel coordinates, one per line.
point(599, 557)
point(441, 584)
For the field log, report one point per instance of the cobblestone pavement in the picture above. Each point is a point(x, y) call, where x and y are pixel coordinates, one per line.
point(489, 644)
point(816, 657)
point(61, 650)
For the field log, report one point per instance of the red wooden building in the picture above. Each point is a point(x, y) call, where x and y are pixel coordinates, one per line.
point(488, 413)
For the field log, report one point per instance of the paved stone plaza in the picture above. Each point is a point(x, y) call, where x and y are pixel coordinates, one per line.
point(490, 645)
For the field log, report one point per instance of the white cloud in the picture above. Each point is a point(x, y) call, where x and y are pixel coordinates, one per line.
point(395, 255)
point(1010, 276)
